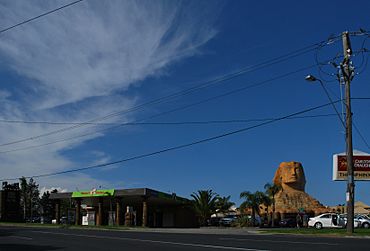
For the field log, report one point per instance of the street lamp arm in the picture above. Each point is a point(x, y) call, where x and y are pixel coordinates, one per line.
point(312, 78)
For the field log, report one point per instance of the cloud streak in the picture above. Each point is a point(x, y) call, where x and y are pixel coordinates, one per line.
point(71, 65)
point(97, 48)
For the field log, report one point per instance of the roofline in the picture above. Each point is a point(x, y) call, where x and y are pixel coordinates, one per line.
point(144, 192)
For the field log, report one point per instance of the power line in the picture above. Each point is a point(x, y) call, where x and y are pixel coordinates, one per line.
point(158, 123)
point(167, 112)
point(176, 147)
point(331, 101)
point(361, 136)
point(166, 123)
point(185, 92)
point(41, 15)
point(340, 118)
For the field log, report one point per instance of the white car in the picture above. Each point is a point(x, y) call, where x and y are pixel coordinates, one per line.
point(364, 220)
point(330, 220)
point(324, 220)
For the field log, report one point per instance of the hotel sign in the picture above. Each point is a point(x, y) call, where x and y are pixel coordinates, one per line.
point(361, 164)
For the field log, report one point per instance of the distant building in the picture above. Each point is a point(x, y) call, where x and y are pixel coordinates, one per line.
point(131, 207)
point(360, 208)
point(10, 210)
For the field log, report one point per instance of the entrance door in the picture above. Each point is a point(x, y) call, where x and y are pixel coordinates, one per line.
point(158, 219)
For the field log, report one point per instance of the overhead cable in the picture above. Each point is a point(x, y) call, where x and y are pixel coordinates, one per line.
point(39, 16)
point(166, 112)
point(201, 141)
point(178, 94)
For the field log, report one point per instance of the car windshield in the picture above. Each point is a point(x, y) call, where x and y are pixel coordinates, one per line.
point(361, 217)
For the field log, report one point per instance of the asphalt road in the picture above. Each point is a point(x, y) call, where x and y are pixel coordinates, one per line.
point(42, 239)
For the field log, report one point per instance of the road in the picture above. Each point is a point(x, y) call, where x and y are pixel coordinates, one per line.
point(42, 239)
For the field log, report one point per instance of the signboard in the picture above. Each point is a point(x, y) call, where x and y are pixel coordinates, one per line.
point(361, 164)
point(93, 193)
point(84, 221)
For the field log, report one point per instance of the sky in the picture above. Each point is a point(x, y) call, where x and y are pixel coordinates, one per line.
point(154, 75)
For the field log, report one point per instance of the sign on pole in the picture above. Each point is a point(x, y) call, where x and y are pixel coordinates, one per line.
point(361, 165)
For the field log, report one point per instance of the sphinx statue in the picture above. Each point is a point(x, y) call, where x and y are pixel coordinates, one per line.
point(292, 196)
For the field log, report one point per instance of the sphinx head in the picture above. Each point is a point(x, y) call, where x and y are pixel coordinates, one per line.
point(290, 176)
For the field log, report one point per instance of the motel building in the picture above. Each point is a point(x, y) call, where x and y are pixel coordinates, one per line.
point(130, 207)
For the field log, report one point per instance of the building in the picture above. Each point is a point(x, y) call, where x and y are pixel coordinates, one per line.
point(10, 209)
point(362, 208)
point(131, 207)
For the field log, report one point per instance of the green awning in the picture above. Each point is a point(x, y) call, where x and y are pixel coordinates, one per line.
point(93, 193)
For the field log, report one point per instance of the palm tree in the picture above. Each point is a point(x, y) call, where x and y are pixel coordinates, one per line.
point(272, 190)
point(204, 202)
point(266, 201)
point(253, 201)
point(223, 204)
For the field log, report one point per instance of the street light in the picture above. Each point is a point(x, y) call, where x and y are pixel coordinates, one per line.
point(349, 148)
point(312, 78)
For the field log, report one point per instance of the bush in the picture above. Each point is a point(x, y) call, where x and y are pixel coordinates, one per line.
point(243, 221)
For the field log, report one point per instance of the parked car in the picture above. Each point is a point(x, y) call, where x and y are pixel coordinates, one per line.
point(45, 220)
point(364, 220)
point(288, 222)
point(331, 220)
point(228, 220)
point(214, 221)
point(342, 220)
point(34, 219)
point(324, 220)
point(63, 220)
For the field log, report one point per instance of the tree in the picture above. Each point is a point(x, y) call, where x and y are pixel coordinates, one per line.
point(46, 205)
point(223, 204)
point(253, 201)
point(204, 203)
point(24, 196)
point(272, 190)
point(266, 201)
point(29, 198)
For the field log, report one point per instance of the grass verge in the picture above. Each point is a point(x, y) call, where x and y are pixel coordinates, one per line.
point(16, 224)
point(313, 231)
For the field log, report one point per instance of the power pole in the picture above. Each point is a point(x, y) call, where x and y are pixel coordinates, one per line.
point(347, 72)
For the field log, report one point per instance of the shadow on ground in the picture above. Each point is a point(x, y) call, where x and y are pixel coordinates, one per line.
point(22, 247)
point(4, 233)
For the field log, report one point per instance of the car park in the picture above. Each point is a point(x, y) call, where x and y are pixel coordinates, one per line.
point(34, 219)
point(324, 221)
point(364, 220)
point(228, 220)
point(214, 221)
point(288, 222)
point(331, 220)
point(342, 221)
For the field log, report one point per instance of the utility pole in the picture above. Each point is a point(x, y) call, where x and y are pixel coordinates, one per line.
point(347, 72)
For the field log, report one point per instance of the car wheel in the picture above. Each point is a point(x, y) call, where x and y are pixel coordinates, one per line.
point(318, 225)
point(366, 225)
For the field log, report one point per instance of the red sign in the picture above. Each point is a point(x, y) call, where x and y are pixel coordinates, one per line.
point(361, 167)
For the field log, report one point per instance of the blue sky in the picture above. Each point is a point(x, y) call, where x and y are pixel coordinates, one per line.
point(99, 57)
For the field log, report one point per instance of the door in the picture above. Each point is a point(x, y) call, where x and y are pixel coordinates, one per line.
point(326, 220)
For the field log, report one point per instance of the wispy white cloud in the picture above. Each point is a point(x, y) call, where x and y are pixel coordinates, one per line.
point(72, 64)
point(96, 48)
point(75, 182)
